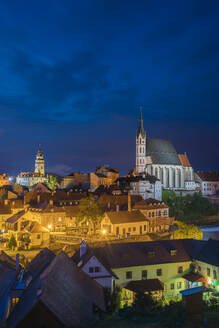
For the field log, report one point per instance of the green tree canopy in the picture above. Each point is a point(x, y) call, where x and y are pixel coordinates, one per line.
point(12, 242)
point(53, 181)
point(89, 212)
point(190, 207)
point(185, 231)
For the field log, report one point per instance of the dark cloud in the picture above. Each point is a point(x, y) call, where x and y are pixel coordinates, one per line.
point(73, 75)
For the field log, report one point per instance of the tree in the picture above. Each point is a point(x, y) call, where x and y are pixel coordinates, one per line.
point(89, 212)
point(186, 231)
point(53, 181)
point(12, 242)
point(143, 303)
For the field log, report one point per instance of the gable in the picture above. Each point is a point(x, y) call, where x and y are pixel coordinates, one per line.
point(93, 262)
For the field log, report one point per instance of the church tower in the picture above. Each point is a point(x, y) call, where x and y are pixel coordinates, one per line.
point(39, 162)
point(140, 146)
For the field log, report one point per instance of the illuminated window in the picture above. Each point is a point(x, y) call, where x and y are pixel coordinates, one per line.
point(179, 285)
point(14, 301)
point(128, 275)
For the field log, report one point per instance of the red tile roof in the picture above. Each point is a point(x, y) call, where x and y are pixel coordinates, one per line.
point(184, 160)
point(208, 176)
point(126, 217)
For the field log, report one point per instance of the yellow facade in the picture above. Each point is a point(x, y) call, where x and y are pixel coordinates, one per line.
point(173, 281)
point(132, 228)
point(209, 272)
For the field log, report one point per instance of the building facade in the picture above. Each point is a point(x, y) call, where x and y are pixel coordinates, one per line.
point(29, 179)
point(159, 158)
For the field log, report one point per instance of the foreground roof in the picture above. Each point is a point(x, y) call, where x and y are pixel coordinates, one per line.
point(210, 253)
point(143, 253)
point(65, 290)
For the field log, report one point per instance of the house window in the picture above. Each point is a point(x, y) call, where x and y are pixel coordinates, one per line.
point(134, 228)
point(38, 236)
point(179, 285)
point(129, 275)
point(145, 227)
point(91, 269)
point(180, 269)
point(159, 272)
point(97, 269)
point(214, 274)
point(199, 268)
point(117, 230)
point(173, 252)
point(144, 274)
point(14, 300)
point(208, 271)
point(129, 229)
point(172, 286)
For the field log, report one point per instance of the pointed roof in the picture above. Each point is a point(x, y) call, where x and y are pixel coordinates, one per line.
point(140, 127)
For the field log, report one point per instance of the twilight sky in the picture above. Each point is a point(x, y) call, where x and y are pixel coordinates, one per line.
point(73, 74)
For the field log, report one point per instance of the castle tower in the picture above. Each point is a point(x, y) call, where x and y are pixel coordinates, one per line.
point(39, 162)
point(140, 146)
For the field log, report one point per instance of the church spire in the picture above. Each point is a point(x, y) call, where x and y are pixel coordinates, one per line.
point(140, 127)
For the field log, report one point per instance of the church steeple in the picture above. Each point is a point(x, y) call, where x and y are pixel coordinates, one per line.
point(140, 126)
point(140, 163)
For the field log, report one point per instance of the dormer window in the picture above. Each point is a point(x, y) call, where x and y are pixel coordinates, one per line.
point(173, 252)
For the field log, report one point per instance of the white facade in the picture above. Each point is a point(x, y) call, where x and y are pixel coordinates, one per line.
point(158, 158)
point(147, 189)
point(29, 179)
point(98, 272)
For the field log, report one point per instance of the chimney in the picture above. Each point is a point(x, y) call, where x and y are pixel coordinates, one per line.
point(117, 208)
point(129, 202)
point(17, 261)
point(51, 202)
point(38, 199)
point(83, 248)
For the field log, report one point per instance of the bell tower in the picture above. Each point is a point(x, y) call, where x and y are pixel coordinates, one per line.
point(39, 162)
point(140, 146)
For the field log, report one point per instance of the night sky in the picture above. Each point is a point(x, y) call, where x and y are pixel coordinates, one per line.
point(74, 73)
